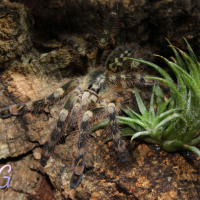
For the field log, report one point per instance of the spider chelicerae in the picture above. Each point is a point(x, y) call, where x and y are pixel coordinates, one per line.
point(97, 95)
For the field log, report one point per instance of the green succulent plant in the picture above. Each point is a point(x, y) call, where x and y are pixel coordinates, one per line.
point(175, 123)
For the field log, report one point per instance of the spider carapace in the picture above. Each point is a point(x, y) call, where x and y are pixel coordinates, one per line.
point(94, 96)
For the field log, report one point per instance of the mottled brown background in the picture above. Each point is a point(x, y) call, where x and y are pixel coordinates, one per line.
point(33, 63)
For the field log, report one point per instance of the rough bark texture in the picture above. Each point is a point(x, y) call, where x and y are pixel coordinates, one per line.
point(34, 63)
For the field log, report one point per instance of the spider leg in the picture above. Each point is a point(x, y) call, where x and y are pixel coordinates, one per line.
point(147, 55)
point(58, 131)
point(79, 49)
point(20, 109)
point(79, 162)
point(109, 26)
point(118, 59)
point(73, 118)
point(118, 143)
point(130, 80)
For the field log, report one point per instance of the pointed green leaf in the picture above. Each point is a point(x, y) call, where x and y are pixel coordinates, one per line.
point(156, 67)
point(193, 149)
point(192, 131)
point(136, 114)
point(163, 107)
point(128, 121)
point(160, 100)
point(174, 116)
point(151, 108)
point(159, 132)
point(195, 141)
point(181, 84)
point(179, 100)
point(191, 66)
point(192, 110)
point(193, 56)
point(175, 130)
point(141, 105)
point(178, 58)
point(99, 125)
point(165, 114)
point(188, 80)
point(160, 70)
point(138, 134)
point(127, 131)
point(131, 113)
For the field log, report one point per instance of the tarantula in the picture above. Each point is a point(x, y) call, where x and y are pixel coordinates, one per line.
point(97, 95)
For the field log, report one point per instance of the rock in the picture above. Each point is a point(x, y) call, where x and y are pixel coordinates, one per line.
point(14, 33)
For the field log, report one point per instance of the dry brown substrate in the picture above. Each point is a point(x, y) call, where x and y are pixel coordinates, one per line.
point(33, 63)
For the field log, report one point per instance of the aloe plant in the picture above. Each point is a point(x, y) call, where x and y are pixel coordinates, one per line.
point(175, 124)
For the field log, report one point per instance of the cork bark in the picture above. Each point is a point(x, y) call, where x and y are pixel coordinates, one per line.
point(33, 63)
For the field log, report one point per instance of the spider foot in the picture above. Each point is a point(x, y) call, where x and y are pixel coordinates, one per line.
point(79, 164)
point(48, 149)
point(5, 113)
point(44, 160)
point(17, 109)
point(123, 156)
point(75, 180)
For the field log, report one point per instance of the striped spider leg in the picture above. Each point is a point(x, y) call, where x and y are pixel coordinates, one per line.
point(35, 106)
point(118, 143)
point(96, 95)
point(57, 133)
point(102, 90)
point(79, 162)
